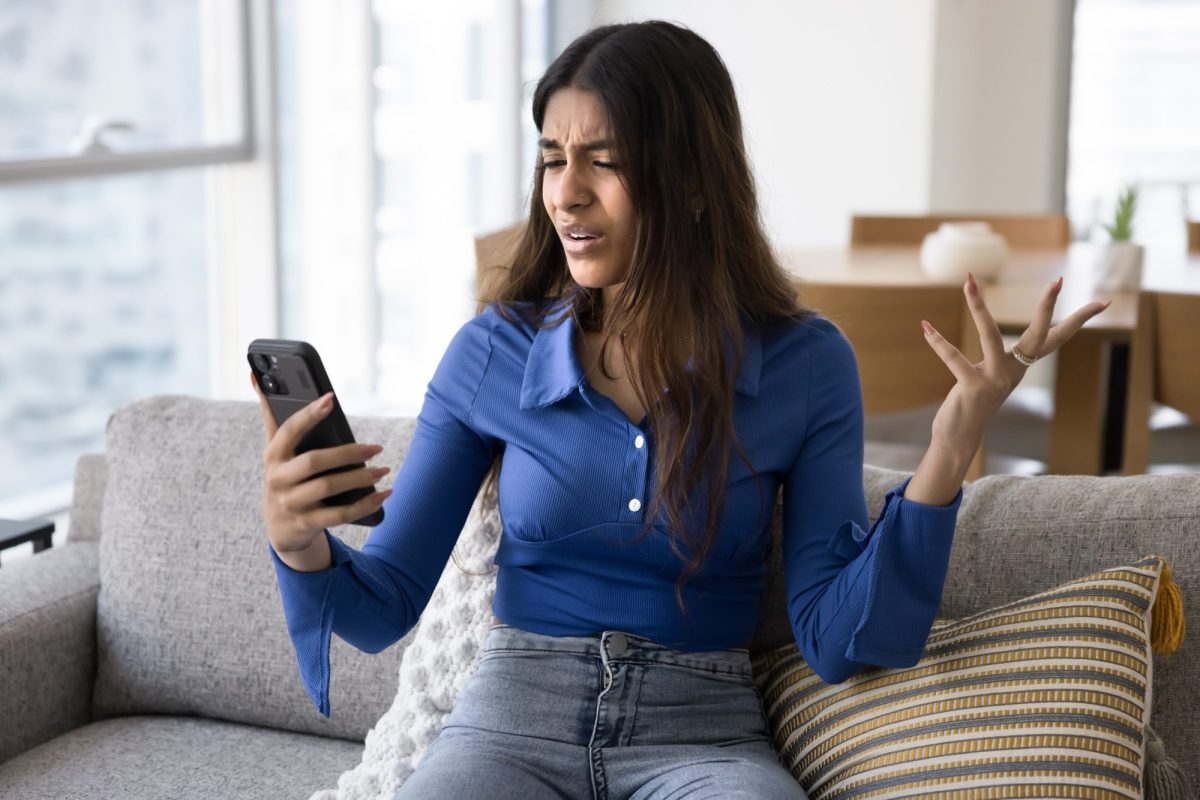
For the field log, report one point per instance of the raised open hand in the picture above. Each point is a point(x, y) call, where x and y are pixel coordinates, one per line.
point(982, 387)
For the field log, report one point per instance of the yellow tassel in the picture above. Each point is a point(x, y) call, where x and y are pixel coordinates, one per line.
point(1166, 615)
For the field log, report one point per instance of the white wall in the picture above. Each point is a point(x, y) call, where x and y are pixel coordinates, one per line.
point(885, 106)
point(835, 98)
point(1000, 106)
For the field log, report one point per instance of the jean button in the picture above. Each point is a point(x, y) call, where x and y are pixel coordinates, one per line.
point(616, 645)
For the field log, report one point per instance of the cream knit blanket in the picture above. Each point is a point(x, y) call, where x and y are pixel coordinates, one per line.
point(441, 657)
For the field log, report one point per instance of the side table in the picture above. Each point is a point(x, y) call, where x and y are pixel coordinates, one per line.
point(14, 532)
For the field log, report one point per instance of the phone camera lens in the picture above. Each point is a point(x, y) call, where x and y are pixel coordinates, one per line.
point(268, 384)
point(260, 362)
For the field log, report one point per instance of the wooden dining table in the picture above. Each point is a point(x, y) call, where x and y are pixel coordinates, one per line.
point(1089, 379)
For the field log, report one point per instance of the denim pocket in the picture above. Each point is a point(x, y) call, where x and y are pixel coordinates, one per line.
point(706, 673)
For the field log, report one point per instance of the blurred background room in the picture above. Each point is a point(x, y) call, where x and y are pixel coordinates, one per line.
point(179, 177)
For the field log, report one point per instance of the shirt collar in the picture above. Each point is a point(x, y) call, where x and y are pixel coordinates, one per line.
point(553, 371)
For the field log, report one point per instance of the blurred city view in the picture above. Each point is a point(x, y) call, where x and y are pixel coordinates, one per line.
point(103, 299)
point(103, 287)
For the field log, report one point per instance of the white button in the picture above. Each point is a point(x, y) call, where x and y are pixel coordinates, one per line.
point(639, 441)
point(635, 504)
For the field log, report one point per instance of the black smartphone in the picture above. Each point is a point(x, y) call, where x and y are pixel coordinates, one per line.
point(291, 375)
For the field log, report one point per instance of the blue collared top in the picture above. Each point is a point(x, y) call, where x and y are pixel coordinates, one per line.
point(575, 477)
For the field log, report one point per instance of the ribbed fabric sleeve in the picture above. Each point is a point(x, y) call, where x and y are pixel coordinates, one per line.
point(856, 597)
point(372, 598)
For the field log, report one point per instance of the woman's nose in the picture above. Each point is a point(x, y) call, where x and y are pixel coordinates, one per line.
point(572, 189)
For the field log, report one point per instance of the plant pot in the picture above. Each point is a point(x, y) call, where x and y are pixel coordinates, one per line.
point(1118, 266)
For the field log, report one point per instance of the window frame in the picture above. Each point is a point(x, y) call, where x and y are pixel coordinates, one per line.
point(226, 26)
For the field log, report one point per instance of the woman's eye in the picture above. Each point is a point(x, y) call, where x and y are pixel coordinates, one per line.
point(557, 164)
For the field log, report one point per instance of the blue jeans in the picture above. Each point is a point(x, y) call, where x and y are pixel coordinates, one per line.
point(611, 716)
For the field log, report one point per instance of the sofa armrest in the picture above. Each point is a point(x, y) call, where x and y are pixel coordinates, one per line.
point(47, 645)
point(87, 498)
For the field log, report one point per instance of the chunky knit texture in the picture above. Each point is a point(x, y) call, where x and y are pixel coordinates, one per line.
point(441, 657)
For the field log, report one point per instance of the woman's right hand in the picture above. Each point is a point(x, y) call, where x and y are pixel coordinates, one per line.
point(292, 507)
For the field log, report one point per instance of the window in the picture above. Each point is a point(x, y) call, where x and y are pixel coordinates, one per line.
point(109, 132)
point(402, 136)
point(1135, 114)
point(99, 283)
point(133, 261)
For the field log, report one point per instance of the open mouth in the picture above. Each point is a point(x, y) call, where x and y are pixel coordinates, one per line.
point(579, 244)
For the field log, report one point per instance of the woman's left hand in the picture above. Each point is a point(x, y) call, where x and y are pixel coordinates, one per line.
point(960, 423)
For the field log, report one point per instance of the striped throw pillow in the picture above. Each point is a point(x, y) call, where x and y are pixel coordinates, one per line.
point(1048, 696)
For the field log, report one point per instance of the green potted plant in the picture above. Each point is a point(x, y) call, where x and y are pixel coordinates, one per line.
point(1119, 260)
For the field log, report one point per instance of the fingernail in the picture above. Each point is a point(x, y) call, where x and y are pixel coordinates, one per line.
point(370, 450)
point(326, 401)
point(928, 328)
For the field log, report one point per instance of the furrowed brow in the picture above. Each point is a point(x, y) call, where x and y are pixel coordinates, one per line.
point(599, 144)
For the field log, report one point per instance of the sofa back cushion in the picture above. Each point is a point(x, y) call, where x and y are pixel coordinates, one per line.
point(189, 615)
point(1021, 535)
point(1017, 536)
point(1045, 697)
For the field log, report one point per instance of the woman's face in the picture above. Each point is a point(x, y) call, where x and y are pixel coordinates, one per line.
point(583, 192)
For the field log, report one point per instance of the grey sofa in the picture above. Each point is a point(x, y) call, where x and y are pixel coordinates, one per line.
point(149, 657)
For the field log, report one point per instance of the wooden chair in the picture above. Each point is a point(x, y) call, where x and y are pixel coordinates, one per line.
point(1164, 368)
point(1051, 230)
point(1022, 425)
point(493, 258)
point(897, 369)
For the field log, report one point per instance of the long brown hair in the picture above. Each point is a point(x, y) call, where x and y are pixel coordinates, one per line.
point(702, 265)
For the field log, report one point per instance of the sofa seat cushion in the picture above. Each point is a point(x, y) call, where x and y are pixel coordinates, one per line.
point(168, 757)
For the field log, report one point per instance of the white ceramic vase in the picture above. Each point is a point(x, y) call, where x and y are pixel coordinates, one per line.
point(957, 248)
point(1118, 266)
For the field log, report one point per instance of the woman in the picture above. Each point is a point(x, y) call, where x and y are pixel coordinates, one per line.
point(646, 332)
